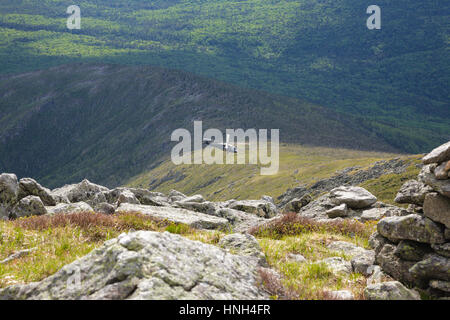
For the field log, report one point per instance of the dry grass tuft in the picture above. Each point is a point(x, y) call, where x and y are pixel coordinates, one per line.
point(63, 238)
point(273, 285)
point(279, 291)
point(292, 224)
point(99, 226)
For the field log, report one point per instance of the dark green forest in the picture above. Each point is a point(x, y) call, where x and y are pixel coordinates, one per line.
point(108, 123)
point(321, 51)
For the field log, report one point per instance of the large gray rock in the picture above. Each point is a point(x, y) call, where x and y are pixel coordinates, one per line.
point(440, 285)
point(349, 176)
point(411, 227)
point(438, 155)
point(414, 208)
point(195, 198)
point(175, 195)
point(127, 196)
point(437, 208)
point(413, 192)
point(268, 199)
point(327, 207)
point(441, 172)
point(112, 196)
point(427, 176)
point(377, 241)
point(59, 198)
point(30, 187)
point(433, 266)
point(104, 208)
point(177, 215)
point(317, 209)
point(96, 199)
point(362, 263)
point(147, 265)
point(442, 249)
point(296, 204)
point(204, 207)
point(411, 250)
point(9, 191)
point(67, 208)
point(374, 214)
point(260, 208)
point(391, 290)
point(244, 245)
point(361, 259)
point(338, 211)
point(354, 197)
point(393, 265)
point(239, 220)
point(389, 210)
point(376, 275)
point(27, 207)
point(83, 191)
point(145, 197)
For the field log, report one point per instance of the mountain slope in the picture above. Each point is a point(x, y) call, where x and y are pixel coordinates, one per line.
point(320, 51)
point(299, 165)
point(108, 123)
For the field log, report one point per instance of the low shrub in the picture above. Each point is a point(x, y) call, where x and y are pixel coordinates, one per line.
point(99, 226)
point(292, 224)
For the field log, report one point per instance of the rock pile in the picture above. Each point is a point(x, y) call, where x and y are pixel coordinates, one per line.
point(345, 202)
point(347, 177)
point(27, 198)
point(415, 248)
point(379, 285)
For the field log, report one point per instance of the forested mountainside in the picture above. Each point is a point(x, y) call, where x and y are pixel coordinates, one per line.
point(319, 51)
point(108, 123)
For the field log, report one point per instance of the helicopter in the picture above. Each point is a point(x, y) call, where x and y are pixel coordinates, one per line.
point(226, 147)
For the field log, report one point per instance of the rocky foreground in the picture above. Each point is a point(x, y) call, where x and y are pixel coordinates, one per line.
point(27, 197)
point(410, 248)
point(415, 248)
point(150, 265)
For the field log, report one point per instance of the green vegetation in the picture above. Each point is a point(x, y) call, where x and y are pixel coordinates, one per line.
point(108, 123)
point(396, 79)
point(95, 115)
point(309, 281)
point(61, 239)
point(299, 164)
point(291, 224)
point(312, 280)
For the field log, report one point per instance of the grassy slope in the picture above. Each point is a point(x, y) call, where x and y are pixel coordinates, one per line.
point(320, 51)
point(298, 164)
point(110, 122)
point(62, 240)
